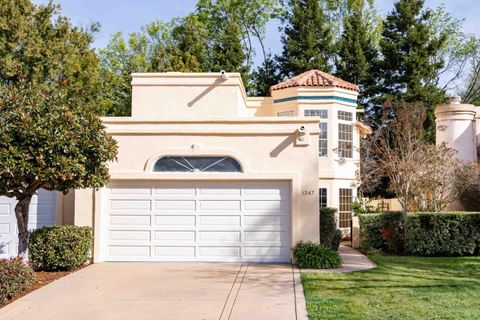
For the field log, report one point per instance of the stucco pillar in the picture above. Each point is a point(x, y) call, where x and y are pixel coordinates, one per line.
point(455, 125)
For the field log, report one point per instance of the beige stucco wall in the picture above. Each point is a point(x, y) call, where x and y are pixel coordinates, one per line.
point(267, 148)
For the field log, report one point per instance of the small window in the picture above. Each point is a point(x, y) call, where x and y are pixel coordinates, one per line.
point(322, 197)
point(288, 113)
point(345, 208)
point(316, 113)
point(346, 116)
point(197, 164)
point(323, 140)
point(345, 140)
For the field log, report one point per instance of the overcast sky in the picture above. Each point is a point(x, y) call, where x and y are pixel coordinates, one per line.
point(129, 15)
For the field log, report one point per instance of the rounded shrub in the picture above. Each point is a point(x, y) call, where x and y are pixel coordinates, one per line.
point(330, 236)
point(15, 275)
point(59, 248)
point(309, 255)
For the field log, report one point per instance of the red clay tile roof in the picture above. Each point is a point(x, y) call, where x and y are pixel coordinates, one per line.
point(315, 78)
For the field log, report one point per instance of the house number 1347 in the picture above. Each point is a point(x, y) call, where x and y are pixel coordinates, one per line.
point(308, 192)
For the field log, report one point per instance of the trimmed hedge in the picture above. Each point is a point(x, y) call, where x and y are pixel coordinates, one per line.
point(428, 234)
point(310, 255)
point(330, 236)
point(59, 248)
point(15, 276)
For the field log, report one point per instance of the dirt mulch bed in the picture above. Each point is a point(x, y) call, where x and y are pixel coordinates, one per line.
point(41, 279)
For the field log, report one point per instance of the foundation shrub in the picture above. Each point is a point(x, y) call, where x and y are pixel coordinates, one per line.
point(330, 236)
point(309, 255)
point(59, 248)
point(15, 276)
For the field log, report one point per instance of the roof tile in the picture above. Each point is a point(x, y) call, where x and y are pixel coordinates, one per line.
point(315, 78)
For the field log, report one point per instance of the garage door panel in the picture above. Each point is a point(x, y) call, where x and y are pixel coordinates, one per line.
point(130, 205)
point(172, 235)
point(119, 251)
point(130, 192)
point(219, 220)
point(135, 235)
point(4, 228)
point(175, 191)
point(123, 220)
point(212, 235)
point(174, 251)
point(220, 205)
point(200, 221)
point(221, 190)
point(174, 205)
point(175, 220)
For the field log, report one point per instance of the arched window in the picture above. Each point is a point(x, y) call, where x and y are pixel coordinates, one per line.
point(197, 164)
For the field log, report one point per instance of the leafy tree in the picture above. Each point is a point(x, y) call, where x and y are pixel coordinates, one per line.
point(408, 66)
point(265, 76)
point(357, 49)
point(190, 53)
point(49, 139)
point(146, 51)
point(307, 39)
point(39, 46)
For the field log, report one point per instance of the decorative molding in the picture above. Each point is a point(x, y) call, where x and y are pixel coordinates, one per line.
point(315, 98)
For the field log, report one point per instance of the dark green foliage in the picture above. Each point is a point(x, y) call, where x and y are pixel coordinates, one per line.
point(407, 70)
point(310, 255)
point(428, 234)
point(357, 52)
point(382, 231)
point(15, 275)
point(60, 248)
point(265, 76)
point(337, 238)
point(307, 39)
point(330, 237)
point(444, 234)
point(39, 46)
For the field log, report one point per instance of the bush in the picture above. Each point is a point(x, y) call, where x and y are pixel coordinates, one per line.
point(444, 234)
point(382, 231)
point(59, 248)
point(329, 234)
point(310, 255)
point(15, 275)
point(428, 234)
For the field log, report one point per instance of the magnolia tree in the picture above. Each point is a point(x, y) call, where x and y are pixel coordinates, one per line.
point(49, 140)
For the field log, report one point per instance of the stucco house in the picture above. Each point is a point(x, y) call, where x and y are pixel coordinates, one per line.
point(206, 173)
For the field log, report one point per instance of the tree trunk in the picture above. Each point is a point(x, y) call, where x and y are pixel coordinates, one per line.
point(21, 212)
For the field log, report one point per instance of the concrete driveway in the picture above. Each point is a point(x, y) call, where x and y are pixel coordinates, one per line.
point(167, 291)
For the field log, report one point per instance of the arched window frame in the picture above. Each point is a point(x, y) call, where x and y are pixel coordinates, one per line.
point(197, 164)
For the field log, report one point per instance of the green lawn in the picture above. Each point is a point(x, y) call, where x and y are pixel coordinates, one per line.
point(399, 288)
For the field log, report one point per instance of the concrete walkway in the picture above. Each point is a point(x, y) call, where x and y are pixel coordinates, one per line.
point(167, 291)
point(352, 260)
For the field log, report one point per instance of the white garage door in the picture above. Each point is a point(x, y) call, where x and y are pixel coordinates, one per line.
point(195, 221)
point(42, 213)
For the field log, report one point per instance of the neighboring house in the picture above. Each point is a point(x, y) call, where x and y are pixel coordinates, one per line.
point(458, 125)
point(205, 173)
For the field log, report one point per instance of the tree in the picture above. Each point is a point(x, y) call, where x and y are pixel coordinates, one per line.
point(307, 39)
point(146, 51)
point(39, 46)
point(48, 139)
point(265, 76)
point(442, 179)
point(357, 48)
point(407, 67)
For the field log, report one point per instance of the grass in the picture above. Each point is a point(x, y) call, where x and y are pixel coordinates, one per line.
point(399, 288)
